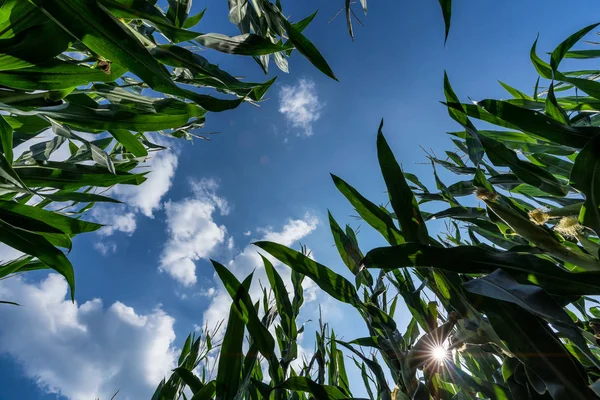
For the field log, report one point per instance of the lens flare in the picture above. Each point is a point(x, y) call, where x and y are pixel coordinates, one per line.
point(439, 353)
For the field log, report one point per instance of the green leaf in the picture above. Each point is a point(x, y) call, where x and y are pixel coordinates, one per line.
point(382, 386)
point(178, 11)
point(192, 21)
point(335, 285)
point(553, 109)
point(68, 225)
point(8, 173)
point(300, 26)
point(585, 177)
point(524, 267)
point(542, 67)
point(349, 253)
point(6, 139)
point(501, 286)
point(554, 165)
point(165, 114)
point(244, 307)
point(527, 172)
point(457, 112)
point(582, 54)
point(25, 127)
point(21, 26)
point(207, 74)
point(106, 36)
point(73, 176)
point(403, 201)
point(191, 380)
point(38, 246)
point(80, 197)
point(490, 390)
point(143, 9)
point(538, 124)
point(448, 197)
point(42, 151)
point(522, 142)
point(206, 393)
point(246, 45)
point(321, 392)
point(370, 212)
point(307, 49)
point(100, 157)
point(517, 94)
point(259, 333)
point(282, 300)
point(229, 369)
point(458, 212)
point(447, 14)
point(559, 53)
point(23, 263)
point(537, 347)
point(56, 74)
point(130, 142)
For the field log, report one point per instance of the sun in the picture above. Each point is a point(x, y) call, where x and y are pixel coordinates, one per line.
point(439, 354)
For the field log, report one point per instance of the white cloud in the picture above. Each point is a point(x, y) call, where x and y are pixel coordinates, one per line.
point(115, 219)
point(147, 197)
point(105, 248)
point(206, 190)
point(249, 260)
point(192, 232)
point(210, 292)
point(247, 233)
point(293, 230)
point(300, 105)
point(84, 351)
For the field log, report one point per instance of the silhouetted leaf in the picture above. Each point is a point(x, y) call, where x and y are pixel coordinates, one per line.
point(585, 177)
point(335, 285)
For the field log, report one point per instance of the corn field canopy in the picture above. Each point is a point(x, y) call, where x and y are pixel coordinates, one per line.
point(104, 77)
point(503, 305)
point(99, 76)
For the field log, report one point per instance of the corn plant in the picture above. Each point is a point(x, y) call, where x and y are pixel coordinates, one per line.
point(118, 70)
point(500, 305)
point(99, 76)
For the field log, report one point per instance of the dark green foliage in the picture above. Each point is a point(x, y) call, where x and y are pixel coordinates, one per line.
point(504, 295)
point(87, 66)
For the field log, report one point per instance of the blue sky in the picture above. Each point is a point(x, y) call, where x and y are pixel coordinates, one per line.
point(266, 175)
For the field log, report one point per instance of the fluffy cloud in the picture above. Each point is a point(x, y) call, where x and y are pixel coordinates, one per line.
point(147, 197)
point(105, 248)
point(192, 232)
point(300, 105)
point(249, 260)
point(115, 219)
point(84, 351)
